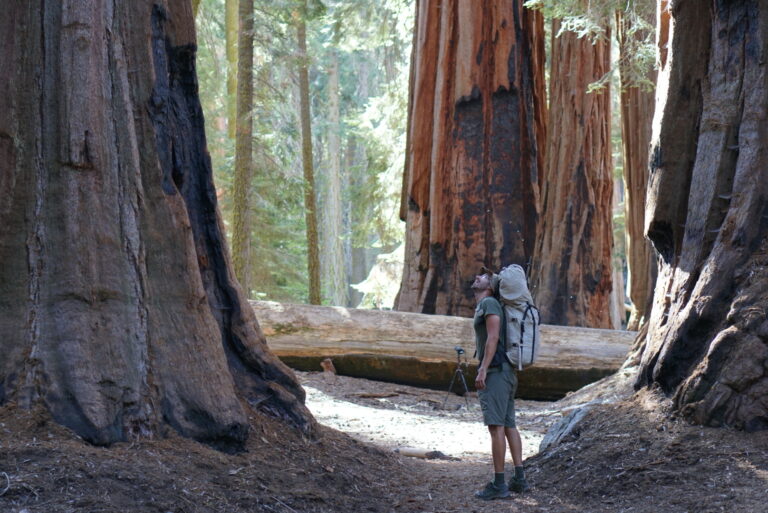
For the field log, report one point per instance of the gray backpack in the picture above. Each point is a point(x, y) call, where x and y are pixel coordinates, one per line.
point(521, 317)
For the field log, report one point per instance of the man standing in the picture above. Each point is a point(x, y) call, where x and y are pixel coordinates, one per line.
point(496, 384)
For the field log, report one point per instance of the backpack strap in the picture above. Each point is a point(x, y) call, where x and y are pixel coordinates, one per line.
point(536, 322)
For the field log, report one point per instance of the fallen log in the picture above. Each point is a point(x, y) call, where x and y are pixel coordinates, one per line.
point(418, 349)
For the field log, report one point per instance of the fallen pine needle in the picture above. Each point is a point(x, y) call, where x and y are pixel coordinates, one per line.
point(7, 484)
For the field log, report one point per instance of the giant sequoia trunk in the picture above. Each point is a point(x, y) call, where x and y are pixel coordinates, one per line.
point(118, 310)
point(707, 215)
point(637, 106)
point(473, 162)
point(572, 268)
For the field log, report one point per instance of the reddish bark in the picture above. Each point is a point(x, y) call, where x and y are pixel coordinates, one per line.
point(637, 107)
point(476, 117)
point(572, 268)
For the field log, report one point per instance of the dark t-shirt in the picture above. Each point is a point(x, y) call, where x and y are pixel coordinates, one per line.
point(489, 306)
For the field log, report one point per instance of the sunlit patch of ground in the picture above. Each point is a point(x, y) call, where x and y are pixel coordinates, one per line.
point(394, 416)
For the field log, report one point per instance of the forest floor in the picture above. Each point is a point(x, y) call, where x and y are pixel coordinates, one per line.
point(626, 455)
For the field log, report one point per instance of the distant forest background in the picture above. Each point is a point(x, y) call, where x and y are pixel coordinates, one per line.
point(358, 57)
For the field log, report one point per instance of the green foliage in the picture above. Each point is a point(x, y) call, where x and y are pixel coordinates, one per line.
point(594, 18)
point(372, 43)
point(381, 126)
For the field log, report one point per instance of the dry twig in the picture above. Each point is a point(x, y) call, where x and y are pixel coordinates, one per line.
point(7, 484)
point(371, 395)
point(284, 504)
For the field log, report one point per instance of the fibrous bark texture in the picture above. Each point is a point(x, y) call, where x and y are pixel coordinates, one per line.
point(707, 215)
point(572, 268)
point(118, 311)
point(476, 117)
point(637, 105)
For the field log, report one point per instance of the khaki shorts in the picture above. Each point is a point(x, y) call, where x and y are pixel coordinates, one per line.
point(497, 399)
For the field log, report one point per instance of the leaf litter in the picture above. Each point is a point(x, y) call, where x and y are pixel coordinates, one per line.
point(628, 454)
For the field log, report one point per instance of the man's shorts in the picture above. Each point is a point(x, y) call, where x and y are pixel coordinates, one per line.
point(497, 399)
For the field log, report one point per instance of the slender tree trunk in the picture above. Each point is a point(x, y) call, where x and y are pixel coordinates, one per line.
point(473, 159)
point(637, 106)
point(707, 214)
point(350, 156)
point(409, 119)
point(118, 310)
point(241, 229)
point(313, 257)
point(231, 30)
point(618, 294)
point(195, 7)
point(572, 273)
point(335, 263)
point(357, 173)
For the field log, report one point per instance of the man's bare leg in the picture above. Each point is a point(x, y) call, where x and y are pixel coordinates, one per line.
point(496, 489)
point(517, 483)
point(498, 447)
point(515, 445)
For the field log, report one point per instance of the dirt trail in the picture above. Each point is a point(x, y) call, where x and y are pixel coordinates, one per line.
point(392, 416)
point(628, 455)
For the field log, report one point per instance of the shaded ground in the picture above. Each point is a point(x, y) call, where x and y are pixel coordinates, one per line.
point(625, 456)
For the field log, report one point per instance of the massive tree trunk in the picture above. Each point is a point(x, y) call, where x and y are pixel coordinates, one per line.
point(572, 267)
point(241, 229)
point(707, 215)
point(476, 118)
point(118, 311)
point(334, 262)
point(637, 105)
point(310, 209)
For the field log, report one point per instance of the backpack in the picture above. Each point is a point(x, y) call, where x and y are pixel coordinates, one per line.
point(521, 316)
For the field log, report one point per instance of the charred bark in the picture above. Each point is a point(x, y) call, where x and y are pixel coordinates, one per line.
point(476, 119)
point(118, 308)
point(707, 345)
point(572, 268)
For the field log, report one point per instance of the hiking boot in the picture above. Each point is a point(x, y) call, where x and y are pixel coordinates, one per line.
point(518, 485)
point(492, 491)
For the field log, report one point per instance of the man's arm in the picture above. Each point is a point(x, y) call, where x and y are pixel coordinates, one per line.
point(492, 325)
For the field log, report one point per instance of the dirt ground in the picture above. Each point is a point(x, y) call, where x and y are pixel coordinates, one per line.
point(627, 455)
